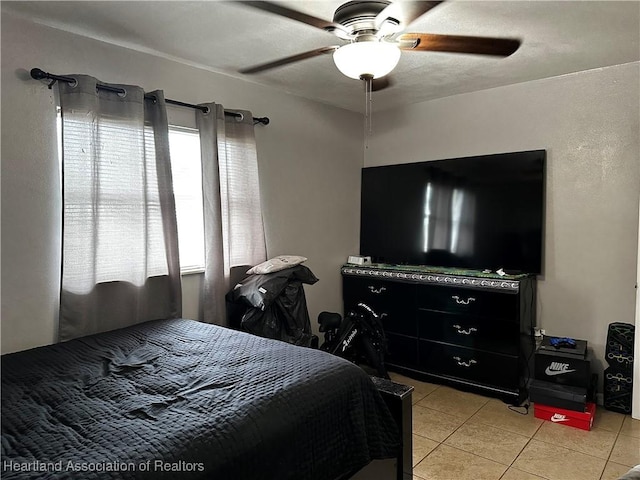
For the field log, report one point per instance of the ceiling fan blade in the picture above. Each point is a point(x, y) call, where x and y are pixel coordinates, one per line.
point(501, 47)
point(283, 11)
point(381, 83)
point(404, 12)
point(291, 59)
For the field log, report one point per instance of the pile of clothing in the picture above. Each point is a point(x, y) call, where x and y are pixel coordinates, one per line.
point(270, 301)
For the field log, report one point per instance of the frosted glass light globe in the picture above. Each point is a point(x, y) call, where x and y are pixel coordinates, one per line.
point(366, 58)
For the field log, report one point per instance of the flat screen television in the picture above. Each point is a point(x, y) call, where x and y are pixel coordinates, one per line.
point(484, 212)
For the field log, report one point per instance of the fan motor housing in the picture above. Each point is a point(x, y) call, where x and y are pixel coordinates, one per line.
point(359, 16)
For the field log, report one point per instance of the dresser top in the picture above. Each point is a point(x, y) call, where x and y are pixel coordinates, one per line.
point(437, 275)
point(443, 270)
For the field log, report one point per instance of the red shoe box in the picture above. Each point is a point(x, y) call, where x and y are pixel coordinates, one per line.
point(582, 420)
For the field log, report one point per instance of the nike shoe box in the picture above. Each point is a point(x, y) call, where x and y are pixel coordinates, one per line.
point(566, 397)
point(563, 365)
point(572, 418)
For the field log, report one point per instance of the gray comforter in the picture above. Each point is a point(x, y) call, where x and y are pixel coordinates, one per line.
point(183, 399)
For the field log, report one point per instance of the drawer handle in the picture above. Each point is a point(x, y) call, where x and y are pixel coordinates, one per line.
point(459, 301)
point(376, 290)
point(461, 363)
point(461, 331)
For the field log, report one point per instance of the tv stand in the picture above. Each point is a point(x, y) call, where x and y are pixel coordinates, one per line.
point(466, 328)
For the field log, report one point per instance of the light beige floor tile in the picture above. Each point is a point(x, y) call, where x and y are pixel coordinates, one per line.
point(497, 414)
point(422, 447)
point(630, 427)
point(608, 420)
point(596, 442)
point(515, 474)
point(454, 402)
point(448, 463)
point(558, 463)
point(420, 389)
point(433, 424)
point(626, 451)
point(613, 471)
point(489, 442)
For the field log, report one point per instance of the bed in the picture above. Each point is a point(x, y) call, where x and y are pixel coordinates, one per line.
point(184, 399)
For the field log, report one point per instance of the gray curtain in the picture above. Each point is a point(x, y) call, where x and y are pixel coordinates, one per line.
point(234, 233)
point(120, 262)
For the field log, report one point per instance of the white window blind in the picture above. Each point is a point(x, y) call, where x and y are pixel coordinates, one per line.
point(116, 222)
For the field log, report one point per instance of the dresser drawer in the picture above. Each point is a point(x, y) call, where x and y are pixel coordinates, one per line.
point(402, 350)
point(404, 323)
point(482, 333)
point(468, 364)
point(378, 293)
point(393, 302)
point(469, 301)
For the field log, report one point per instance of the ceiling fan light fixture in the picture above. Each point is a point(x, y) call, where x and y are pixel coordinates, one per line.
point(366, 58)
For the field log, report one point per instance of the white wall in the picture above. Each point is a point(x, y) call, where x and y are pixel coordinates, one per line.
point(588, 122)
point(309, 159)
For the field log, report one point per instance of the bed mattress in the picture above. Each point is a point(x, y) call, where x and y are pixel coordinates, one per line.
point(184, 399)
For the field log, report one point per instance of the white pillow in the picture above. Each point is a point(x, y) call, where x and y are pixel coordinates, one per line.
point(276, 264)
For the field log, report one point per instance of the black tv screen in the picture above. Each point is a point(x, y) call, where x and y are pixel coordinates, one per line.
point(484, 212)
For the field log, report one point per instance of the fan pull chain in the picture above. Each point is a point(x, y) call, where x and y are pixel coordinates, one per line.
point(368, 99)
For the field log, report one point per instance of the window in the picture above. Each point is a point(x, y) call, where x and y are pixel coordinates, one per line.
point(187, 187)
point(184, 144)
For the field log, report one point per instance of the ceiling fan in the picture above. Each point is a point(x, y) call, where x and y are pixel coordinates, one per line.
point(373, 30)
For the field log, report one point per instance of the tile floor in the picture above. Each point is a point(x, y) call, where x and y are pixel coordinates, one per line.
point(464, 436)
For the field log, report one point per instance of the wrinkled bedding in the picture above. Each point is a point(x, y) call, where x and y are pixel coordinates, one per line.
point(183, 399)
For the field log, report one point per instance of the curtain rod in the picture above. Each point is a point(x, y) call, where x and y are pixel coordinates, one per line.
point(38, 74)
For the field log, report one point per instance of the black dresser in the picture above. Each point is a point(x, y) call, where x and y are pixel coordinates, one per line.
point(466, 328)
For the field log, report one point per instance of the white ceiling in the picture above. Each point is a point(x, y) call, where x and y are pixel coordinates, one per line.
point(558, 37)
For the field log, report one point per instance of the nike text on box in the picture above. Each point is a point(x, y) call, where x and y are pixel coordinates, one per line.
point(563, 366)
point(582, 420)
